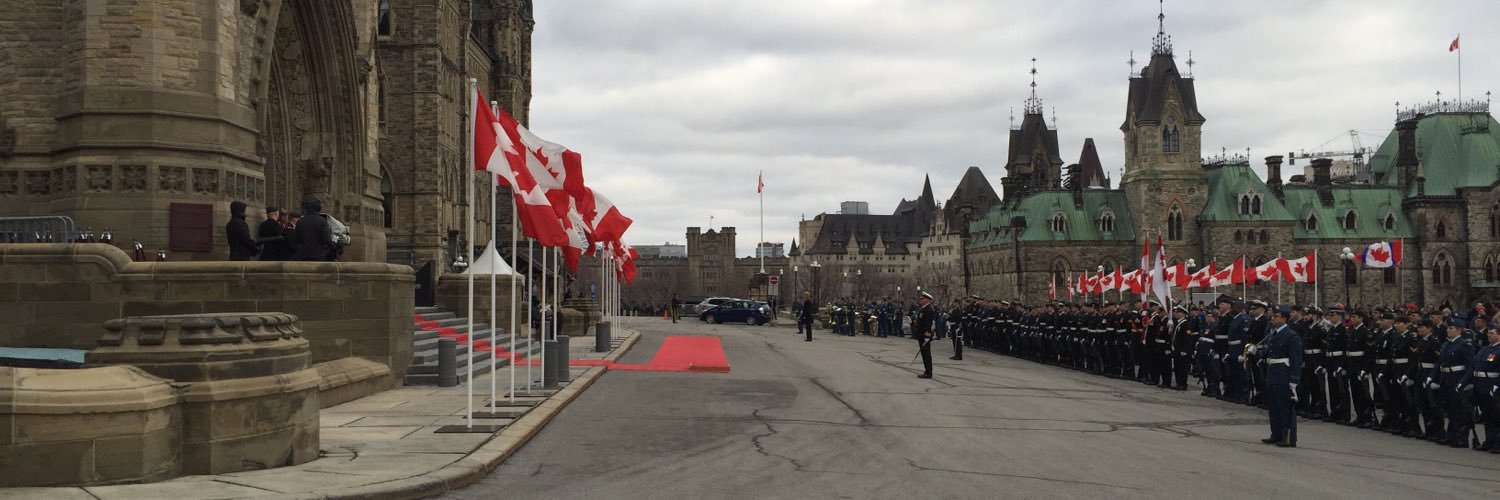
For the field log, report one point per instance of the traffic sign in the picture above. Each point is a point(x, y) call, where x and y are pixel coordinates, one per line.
point(775, 280)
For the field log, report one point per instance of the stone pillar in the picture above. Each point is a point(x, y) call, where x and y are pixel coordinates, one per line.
point(93, 426)
point(249, 393)
point(578, 316)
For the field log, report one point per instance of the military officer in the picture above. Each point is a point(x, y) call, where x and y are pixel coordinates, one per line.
point(1236, 379)
point(1184, 339)
point(1208, 358)
point(1337, 366)
point(1282, 350)
point(1429, 404)
point(1256, 328)
point(1450, 377)
point(1486, 378)
point(925, 317)
point(956, 318)
point(1359, 366)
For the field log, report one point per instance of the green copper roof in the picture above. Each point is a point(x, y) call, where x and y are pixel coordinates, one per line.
point(1228, 187)
point(1456, 150)
point(1370, 203)
point(1081, 224)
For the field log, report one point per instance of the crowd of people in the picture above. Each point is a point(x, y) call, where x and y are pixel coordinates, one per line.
point(1421, 373)
point(285, 235)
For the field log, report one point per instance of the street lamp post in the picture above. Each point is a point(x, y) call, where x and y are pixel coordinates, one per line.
point(815, 266)
point(1348, 257)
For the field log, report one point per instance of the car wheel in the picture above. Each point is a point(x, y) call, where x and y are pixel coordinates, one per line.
point(750, 320)
point(713, 320)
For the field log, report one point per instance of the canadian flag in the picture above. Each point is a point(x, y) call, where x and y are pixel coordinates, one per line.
point(1070, 287)
point(1159, 285)
point(1144, 276)
point(605, 219)
point(1134, 282)
point(1203, 278)
point(1177, 275)
point(1270, 271)
point(496, 149)
point(1107, 281)
point(1303, 270)
point(1226, 276)
point(1052, 288)
point(1242, 274)
point(1454, 46)
point(1381, 255)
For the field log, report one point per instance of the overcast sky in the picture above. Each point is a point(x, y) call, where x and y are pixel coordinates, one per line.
point(677, 104)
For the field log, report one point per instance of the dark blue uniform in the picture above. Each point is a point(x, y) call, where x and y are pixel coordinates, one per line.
point(1485, 376)
point(1282, 350)
point(1451, 371)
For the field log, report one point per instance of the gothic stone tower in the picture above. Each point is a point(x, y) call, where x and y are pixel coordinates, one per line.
point(1164, 180)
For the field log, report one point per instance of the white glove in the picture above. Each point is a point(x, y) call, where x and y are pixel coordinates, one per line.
point(1406, 381)
point(1434, 386)
point(1379, 377)
point(1340, 372)
point(1466, 388)
point(1294, 392)
point(1364, 375)
point(1320, 371)
point(1216, 356)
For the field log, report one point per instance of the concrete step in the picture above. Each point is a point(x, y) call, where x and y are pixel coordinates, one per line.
point(481, 361)
point(436, 316)
point(428, 310)
point(427, 352)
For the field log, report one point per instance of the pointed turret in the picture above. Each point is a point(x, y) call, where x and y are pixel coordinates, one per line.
point(794, 251)
point(1093, 169)
point(927, 197)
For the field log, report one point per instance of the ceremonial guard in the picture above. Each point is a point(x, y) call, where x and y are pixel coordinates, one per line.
point(1184, 339)
point(1282, 350)
point(1337, 366)
point(1486, 379)
point(1235, 375)
point(926, 314)
point(1429, 403)
point(1310, 401)
point(1256, 328)
point(1400, 406)
point(1380, 352)
point(1208, 358)
point(1319, 353)
point(1359, 366)
point(956, 329)
point(1450, 379)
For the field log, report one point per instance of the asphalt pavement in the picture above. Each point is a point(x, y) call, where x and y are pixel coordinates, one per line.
point(846, 417)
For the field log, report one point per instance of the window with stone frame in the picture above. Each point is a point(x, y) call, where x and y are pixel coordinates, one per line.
point(1390, 222)
point(1489, 268)
point(383, 19)
point(1174, 223)
point(1312, 223)
point(1238, 238)
point(1388, 276)
point(1350, 218)
point(1060, 274)
point(1495, 221)
point(1244, 204)
point(1441, 231)
point(1170, 139)
point(1107, 222)
point(1442, 270)
point(1059, 222)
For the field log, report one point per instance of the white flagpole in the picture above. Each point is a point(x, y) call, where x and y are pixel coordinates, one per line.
point(557, 296)
point(530, 294)
point(1278, 282)
point(543, 332)
point(1244, 281)
point(1459, 39)
point(515, 269)
point(473, 89)
point(1317, 280)
point(494, 186)
point(761, 191)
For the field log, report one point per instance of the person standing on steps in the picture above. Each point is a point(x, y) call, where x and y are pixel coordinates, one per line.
point(805, 315)
point(926, 313)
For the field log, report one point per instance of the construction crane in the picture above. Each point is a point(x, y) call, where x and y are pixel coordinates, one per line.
point(1357, 152)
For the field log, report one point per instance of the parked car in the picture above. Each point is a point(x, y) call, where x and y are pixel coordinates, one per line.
point(750, 312)
point(709, 303)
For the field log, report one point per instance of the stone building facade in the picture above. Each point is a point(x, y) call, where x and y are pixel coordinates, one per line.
point(147, 117)
point(1433, 184)
point(710, 269)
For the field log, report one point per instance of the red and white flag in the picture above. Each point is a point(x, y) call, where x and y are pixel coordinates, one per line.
point(606, 220)
point(1225, 276)
point(1381, 255)
point(1071, 286)
point(497, 149)
point(1270, 271)
point(1302, 270)
point(1107, 281)
point(1202, 278)
point(1454, 46)
point(760, 183)
point(1159, 285)
point(1177, 275)
point(1145, 277)
point(1052, 288)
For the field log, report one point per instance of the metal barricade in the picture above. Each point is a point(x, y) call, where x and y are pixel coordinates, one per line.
point(40, 229)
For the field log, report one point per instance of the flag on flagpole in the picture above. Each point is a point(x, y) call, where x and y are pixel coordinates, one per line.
point(1159, 286)
point(1381, 255)
point(1301, 270)
point(496, 150)
point(1454, 46)
point(1052, 288)
point(760, 183)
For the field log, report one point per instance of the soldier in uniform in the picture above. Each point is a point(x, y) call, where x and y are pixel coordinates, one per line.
point(1358, 365)
point(1385, 338)
point(1208, 357)
point(956, 319)
point(1337, 366)
point(1158, 348)
point(1449, 378)
point(1256, 328)
point(1236, 379)
point(1282, 350)
point(1184, 339)
point(898, 314)
point(1429, 349)
point(1400, 406)
point(1486, 379)
point(925, 316)
point(1315, 371)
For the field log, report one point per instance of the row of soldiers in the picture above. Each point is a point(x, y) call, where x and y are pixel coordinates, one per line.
point(879, 317)
point(1422, 377)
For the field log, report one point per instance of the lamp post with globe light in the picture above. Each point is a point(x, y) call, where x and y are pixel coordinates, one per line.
point(1348, 257)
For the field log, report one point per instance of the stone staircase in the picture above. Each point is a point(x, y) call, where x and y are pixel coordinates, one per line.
point(433, 323)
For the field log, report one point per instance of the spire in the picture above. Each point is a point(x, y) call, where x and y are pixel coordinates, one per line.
point(1162, 44)
point(1033, 105)
point(927, 191)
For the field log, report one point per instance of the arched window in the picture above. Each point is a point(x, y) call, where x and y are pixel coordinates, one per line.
point(1060, 275)
point(1059, 222)
point(1495, 221)
point(1238, 238)
point(1255, 204)
point(1349, 218)
point(1312, 223)
point(1489, 268)
point(1107, 222)
point(1389, 275)
point(1390, 222)
point(1441, 230)
point(1245, 204)
point(1265, 237)
point(1174, 224)
point(1169, 137)
point(383, 19)
point(1442, 270)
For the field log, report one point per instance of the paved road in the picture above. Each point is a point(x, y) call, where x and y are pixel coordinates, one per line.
point(847, 418)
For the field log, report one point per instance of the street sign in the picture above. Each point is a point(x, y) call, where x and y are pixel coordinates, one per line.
point(774, 280)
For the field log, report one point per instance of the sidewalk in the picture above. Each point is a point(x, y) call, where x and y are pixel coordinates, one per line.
point(386, 445)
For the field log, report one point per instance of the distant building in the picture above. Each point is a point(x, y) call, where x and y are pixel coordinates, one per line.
point(770, 250)
point(662, 251)
point(854, 208)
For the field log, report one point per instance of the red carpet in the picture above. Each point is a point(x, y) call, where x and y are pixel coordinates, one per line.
point(685, 353)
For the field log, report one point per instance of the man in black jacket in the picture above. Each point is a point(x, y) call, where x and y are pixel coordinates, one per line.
point(314, 237)
point(268, 236)
point(805, 315)
point(926, 315)
point(241, 245)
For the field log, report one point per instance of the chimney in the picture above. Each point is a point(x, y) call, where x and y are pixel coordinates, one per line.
point(1273, 175)
point(1008, 188)
point(1421, 186)
point(1323, 180)
point(1075, 184)
point(1406, 153)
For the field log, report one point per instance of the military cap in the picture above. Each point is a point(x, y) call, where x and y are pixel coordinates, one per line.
point(1225, 299)
point(272, 208)
point(1426, 323)
point(1282, 310)
point(1155, 303)
point(1314, 310)
point(1180, 309)
point(1298, 308)
point(1337, 309)
point(1357, 312)
point(1388, 316)
point(926, 295)
point(1254, 304)
point(1402, 318)
point(1457, 323)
